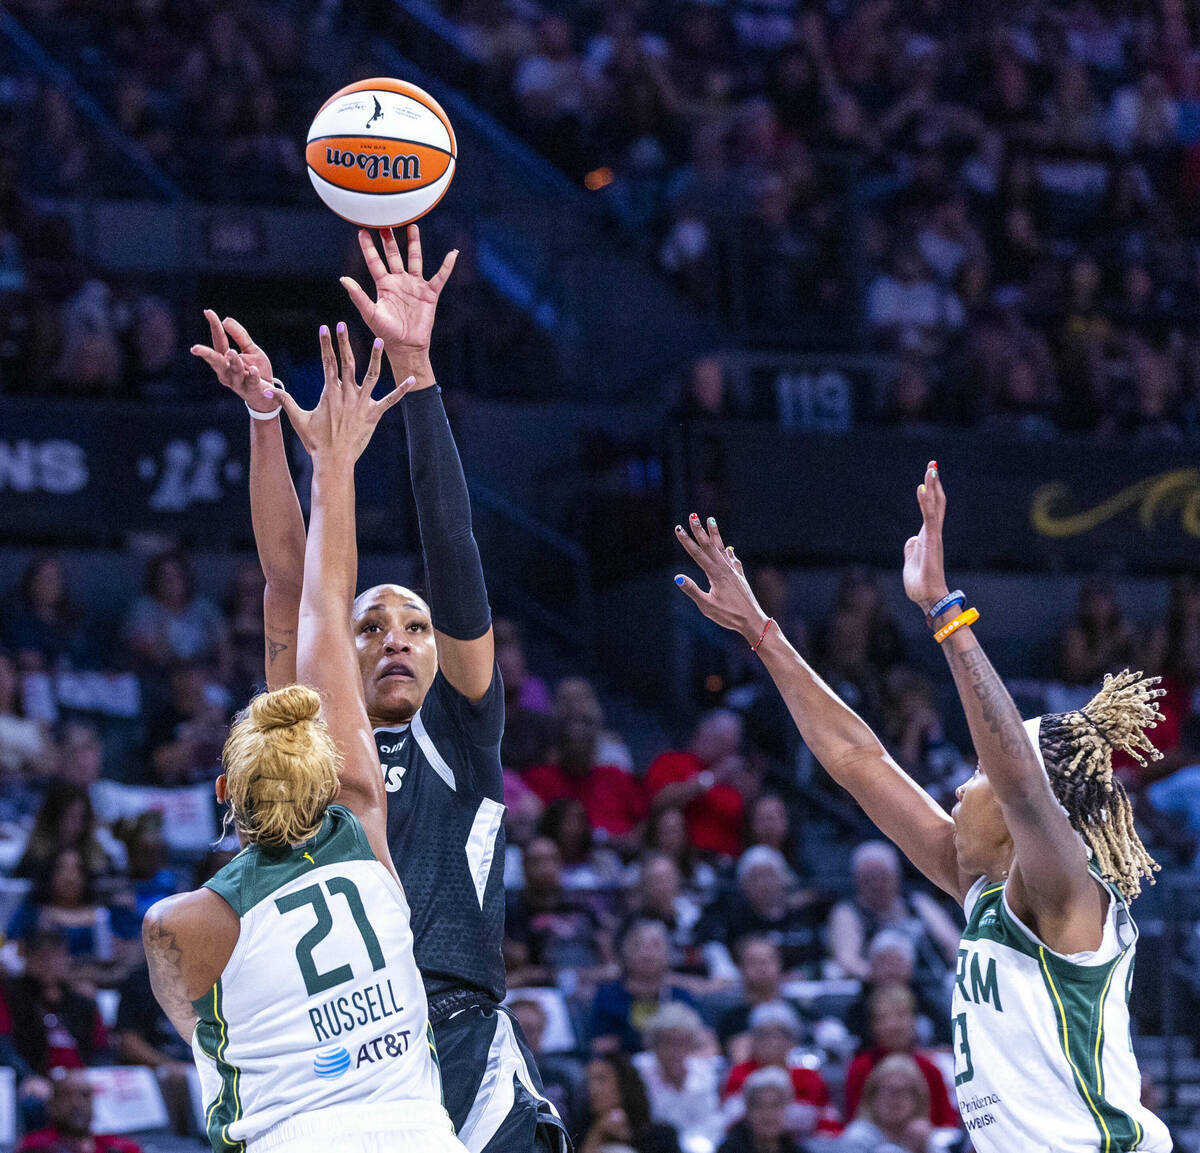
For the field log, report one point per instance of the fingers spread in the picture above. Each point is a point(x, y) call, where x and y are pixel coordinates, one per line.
point(348, 376)
point(440, 277)
point(294, 411)
point(375, 265)
point(373, 366)
point(415, 264)
point(210, 356)
point(690, 546)
point(397, 393)
point(391, 250)
point(714, 535)
point(360, 300)
point(692, 590)
point(219, 341)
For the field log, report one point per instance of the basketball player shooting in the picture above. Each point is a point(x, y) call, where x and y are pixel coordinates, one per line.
point(433, 696)
point(1040, 850)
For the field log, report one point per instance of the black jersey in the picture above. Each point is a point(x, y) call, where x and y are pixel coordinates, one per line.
point(445, 832)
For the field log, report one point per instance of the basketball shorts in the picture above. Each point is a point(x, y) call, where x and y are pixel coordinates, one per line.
point(362, 1129)
point(491, 1085)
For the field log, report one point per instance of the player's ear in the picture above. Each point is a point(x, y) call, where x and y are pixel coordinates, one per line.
point(222, 789)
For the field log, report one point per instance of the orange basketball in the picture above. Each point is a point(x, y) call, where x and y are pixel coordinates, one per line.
point(381, 153)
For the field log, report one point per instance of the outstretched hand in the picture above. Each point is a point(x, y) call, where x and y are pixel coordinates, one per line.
point(401, 314)
point(924, 568)
point(730, 601)
point(345, 417)
point(244, 370)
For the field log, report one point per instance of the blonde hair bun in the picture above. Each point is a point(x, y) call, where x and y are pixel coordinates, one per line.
point(285, 707)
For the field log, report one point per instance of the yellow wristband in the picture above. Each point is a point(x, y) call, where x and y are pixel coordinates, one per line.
point(968, 617)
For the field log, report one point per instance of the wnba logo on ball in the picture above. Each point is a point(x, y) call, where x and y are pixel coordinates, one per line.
point(330, 1064)
point(376, 167)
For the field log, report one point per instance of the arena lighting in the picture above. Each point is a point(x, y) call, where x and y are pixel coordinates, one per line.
point(598, 178)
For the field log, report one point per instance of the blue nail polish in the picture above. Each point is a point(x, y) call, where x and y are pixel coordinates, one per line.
point(679, 581)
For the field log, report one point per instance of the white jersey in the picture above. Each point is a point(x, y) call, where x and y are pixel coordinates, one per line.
point(1043, 1059)
point(321, 1004)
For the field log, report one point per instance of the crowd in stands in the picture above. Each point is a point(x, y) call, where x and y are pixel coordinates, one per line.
point(688, 963)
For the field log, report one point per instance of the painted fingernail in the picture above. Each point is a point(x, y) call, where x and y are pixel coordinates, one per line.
point(410, 380)
point(712, 522)
point(341, 327)
point(679, 581)
point(378, 343)
point(324, 330)
point(695, 519)
point(269, 393)
point(921, 489)
point(679, 528)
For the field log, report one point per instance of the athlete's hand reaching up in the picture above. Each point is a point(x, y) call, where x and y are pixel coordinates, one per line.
point(245, 370)
point(341, 425)
point(924, 568)
point(401, 314)
point(729, 601)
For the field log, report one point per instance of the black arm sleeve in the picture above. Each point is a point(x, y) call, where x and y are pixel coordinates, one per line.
point(453, 574)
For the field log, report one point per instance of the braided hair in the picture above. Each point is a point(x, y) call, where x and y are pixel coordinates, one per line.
point(1078, 747)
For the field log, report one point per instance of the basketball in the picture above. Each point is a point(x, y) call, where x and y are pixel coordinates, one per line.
point(381, 153)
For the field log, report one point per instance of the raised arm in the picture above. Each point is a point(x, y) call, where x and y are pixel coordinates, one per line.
point(335, 434)
point(402, 317)
point(1049, 878)
point(850, 752)
point(274, 508)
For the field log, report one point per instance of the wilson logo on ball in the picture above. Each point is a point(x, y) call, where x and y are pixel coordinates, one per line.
point(381, 153)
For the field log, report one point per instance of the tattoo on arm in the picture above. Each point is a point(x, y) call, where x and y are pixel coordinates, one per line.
point(165, 959)
point(274, 648)
point(995, 705)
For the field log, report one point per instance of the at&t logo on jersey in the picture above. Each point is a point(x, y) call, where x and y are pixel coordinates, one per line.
point(330, 1064)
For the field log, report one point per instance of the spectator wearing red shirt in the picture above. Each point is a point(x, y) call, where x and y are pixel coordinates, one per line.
point(70, 1115)
point(894, 1030)
point(615, 802)
point(775, 1030)
point(705, 780)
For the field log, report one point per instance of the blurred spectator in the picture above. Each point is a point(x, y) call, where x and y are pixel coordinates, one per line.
point(102, 940)
point(915, 734)
point(576, 694)
point(682, 1083)
point(551, 936)
point(894, 1030)
point(907, 308)
point(775, 1031)
point(585, 865)
point(613, 799)
point(562, 1073)
point(666, 832)
point(24, 743)
point(844, 661)
point(528, 731)
point(549, 87)
point(69, 1112)
point(622, 1008)
point(66, 820)
point(147, 853)
point(185, 735)
point(619, 1111)
point(765, 1128)
point(144, 1036)
point(770, 824)
point(81, 763)
point(40, 624)
point(246, 630)
point(1097, 640)
point(54, 1026)
point(893, 1116)
point(707, 779)
point(768, 904)
point(891, 959)
point(169, 622)
point(881, 901)
point(760, 967)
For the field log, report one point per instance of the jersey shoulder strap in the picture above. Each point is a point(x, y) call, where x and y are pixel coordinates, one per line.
point(258, 871)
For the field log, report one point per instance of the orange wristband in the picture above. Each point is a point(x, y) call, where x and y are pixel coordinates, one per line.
point(968, 617)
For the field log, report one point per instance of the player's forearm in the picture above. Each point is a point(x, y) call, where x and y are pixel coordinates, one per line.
point(453, 571)
point(275, 510)
point(999, 737)
point(331, 560)
point(835, 733)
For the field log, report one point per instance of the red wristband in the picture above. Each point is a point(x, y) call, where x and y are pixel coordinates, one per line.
point(766, 629)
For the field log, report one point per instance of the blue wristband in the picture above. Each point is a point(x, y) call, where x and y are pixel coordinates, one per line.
point(957, 597)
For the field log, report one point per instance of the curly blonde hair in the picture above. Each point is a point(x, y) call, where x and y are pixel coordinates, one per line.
point(1078, 750)
point(281, 767)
